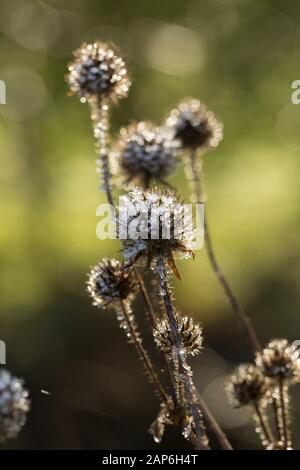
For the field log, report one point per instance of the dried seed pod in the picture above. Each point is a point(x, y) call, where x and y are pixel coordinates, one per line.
point(155, 225)
point(194, 125)
point(280, 359)
point(190, 333)
point(14, 405)
point(108, 282)
point(144, 153)
point(98, 72)
point(247, 385)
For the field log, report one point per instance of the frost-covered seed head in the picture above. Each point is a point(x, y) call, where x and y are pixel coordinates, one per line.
point(190, 333)
point(157, 225)
point(144, 153)
point(14, 405)
point(247, 385)
point(280, 359)
point(98, 72)
point(109, 282)
point(194, 125)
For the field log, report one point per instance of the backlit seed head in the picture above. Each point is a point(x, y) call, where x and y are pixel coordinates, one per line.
point(190, 333)
point(155, 225)
point(14, 405)
point(280, 359)
point(144, 153)
point(98, 72)
point(194, 125)
point(247, 385)
point(109, 282)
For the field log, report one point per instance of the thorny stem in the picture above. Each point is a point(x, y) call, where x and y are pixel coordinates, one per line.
point(136, 339)
point(196, 167)
point(185, 375)
point(214, 425)
point(277, 416)
point(265, 432)
point(152, 318)
point(100, 118)
point(283, 398)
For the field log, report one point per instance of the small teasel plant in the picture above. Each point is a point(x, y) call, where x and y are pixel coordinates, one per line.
point(157, 212)
point(14, 405)
point(99, 76)
point(267, 382)
point(248, 387)
point(143, 156)
point(280, 362)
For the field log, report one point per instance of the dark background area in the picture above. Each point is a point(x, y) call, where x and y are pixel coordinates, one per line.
point(240, 57)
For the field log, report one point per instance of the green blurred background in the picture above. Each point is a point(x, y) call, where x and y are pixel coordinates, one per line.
point(238, 56)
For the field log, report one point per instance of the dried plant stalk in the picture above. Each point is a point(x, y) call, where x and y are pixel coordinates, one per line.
point(190, 401)
point(196, 167)
point(128, 323)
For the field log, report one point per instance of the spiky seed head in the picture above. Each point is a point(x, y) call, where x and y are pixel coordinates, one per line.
point(143, 153)
point(190, 333)
point(280, 359)
point(98, 72)
point(194, 125)
point(155, 225)
point(14, 405)
point(108, 282)
point(247, 385)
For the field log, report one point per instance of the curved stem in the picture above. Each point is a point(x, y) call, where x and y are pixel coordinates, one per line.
point(236, 306)
point(266, 434)
point(137, 341)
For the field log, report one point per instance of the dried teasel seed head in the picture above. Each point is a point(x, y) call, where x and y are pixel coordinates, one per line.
point(144, 153)
point(14, 405)
point(194, 125)
point(247, 385)
point(108, 282)
point(98, 72)
point(156, 224)
point(280, 359)
point(190, 333)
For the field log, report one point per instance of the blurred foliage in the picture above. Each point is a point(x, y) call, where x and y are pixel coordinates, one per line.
point(238, 56)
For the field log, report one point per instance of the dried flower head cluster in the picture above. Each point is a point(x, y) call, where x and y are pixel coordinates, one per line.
point(195, 126)
point(280, 359)
point(156, 225)
point(247, 385)
point(190, 333)
point(145, 152)
point(108, 282)
point(14, 405)
point(98, 71)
